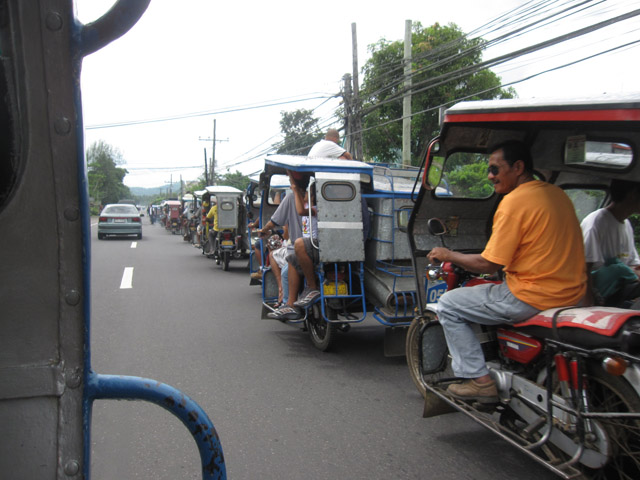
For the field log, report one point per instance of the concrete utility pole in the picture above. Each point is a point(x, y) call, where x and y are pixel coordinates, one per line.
point(358, 153)
point(406, 103)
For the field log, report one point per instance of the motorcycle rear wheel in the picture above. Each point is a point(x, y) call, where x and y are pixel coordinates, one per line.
point(321, 332)
point(608, 393)
point(225, 261)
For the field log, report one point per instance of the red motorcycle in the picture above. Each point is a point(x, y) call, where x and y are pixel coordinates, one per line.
point(568, 382)
point(568, 379)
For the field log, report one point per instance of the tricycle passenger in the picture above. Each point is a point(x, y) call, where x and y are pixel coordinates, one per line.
point(536, 238)
point(610, 251)
point(306, 247)
point(212, 218)
point(330, 147)
point(286, 214)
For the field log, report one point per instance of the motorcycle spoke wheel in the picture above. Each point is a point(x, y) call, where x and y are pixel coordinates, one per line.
point(613, 394)
point(321, 332)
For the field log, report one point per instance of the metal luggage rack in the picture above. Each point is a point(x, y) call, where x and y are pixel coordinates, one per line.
point(349, 301)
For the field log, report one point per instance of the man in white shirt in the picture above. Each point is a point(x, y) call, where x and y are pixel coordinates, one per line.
point(610, 250)
point(329, 147)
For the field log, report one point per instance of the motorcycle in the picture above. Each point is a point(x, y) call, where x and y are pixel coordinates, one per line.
point(568, 381)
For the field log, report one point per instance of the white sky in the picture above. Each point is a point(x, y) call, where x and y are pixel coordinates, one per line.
point(191, 56)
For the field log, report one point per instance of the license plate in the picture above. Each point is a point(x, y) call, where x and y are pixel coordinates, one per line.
point(120, 220)
point(227, 243)
point(435, 290)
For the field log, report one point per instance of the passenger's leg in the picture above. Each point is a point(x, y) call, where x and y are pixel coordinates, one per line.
point(305, 264)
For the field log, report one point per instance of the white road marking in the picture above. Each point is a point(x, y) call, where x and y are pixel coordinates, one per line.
point(127, 278)
point(134, 244)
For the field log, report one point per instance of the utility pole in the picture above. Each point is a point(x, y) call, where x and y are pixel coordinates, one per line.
point(406, 103)
point(348, 110)
point(357, 121)
point(212, 168)
point(206, 172)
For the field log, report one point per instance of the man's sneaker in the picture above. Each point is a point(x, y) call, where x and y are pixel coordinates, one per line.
point(257, 275)
point(472, 390)
point(285, 313)
point(307, 298)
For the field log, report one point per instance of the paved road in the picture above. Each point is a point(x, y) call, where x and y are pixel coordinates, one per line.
point(283, 409)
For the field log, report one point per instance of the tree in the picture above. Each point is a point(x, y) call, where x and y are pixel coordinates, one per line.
point(438, 55)
point(300, 132)
point(105, 177)
point(237, 179)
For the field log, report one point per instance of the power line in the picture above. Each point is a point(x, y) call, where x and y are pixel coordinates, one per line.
point(204, 114)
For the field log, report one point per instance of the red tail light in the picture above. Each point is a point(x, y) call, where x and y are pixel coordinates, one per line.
point(227, 236)
point(102, 219)
point(136, 219)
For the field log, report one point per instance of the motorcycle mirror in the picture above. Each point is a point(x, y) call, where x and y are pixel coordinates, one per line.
point(438, 228)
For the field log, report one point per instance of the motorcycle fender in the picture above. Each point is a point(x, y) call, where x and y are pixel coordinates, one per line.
point(632, 375)
point(434, 406)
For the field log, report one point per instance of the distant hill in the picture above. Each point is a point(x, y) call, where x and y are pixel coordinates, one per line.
point(154, 191)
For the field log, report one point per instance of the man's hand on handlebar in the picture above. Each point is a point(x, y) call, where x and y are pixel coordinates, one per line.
point(439, 255)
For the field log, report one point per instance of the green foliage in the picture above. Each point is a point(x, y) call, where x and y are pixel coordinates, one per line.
point(237, 179)
point(470, 181)
point(383, 85)
point(105, 177)
point(300, 132)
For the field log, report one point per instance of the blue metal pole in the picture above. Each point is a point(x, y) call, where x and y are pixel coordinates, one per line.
point(188, 411)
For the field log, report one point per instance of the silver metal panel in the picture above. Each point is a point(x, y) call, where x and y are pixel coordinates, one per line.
point(340, 238)
point(227, 218)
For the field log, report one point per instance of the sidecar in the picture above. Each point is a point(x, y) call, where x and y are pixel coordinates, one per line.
point(231, 238)
point(365, 263)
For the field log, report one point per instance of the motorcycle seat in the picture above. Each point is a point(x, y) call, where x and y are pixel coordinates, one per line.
point(590, 327)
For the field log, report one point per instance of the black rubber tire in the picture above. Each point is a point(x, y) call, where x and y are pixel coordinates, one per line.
point(321, 332)
point(413, 353)
point(101, 236)
point(225, 261)
point(139, 236)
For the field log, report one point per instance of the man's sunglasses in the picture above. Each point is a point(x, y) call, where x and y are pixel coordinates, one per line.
point(493, 170)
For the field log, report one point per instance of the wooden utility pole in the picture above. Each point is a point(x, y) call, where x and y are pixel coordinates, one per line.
point(206, 171)
point(212, 167)
point(406, 103)
point(348, 110)
point(356, 130)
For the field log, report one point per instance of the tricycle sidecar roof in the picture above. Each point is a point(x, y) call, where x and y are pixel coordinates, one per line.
point(547, 126)
point(223, 190)
point(280, 163)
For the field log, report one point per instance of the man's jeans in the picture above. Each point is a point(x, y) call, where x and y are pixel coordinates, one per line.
point(489, 304)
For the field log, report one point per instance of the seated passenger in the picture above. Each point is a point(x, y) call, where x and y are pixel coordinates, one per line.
point(536, 238)
point(306, 256)
point(610, 250)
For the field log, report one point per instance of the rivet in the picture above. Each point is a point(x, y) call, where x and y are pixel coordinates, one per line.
point(73, 378)
point(72, 468)
point(72, 297)
point(62, 126)
point(71, 213)
point(53, 21)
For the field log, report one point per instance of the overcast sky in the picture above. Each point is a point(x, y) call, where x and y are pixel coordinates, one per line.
point(199, 56)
